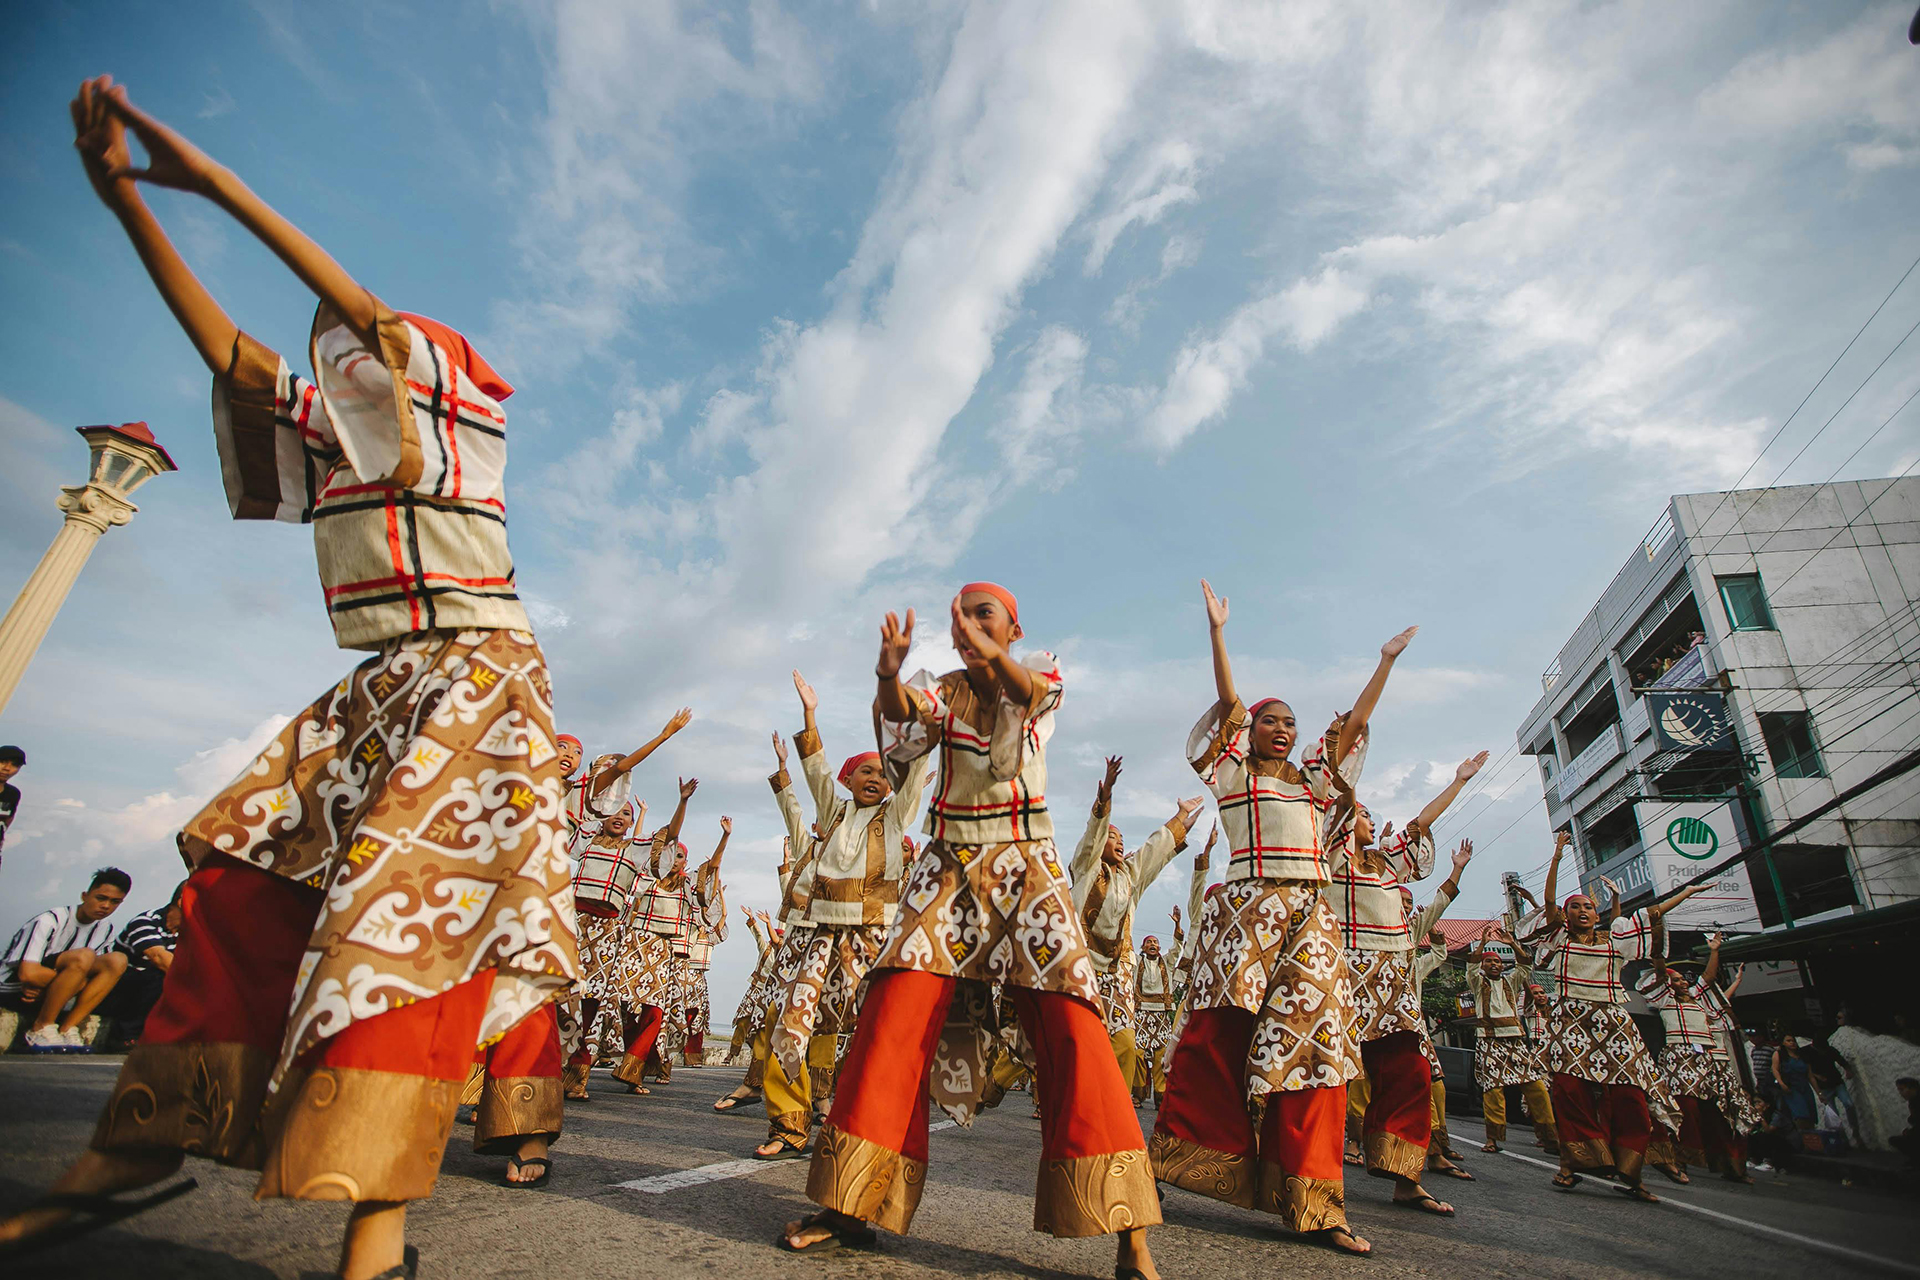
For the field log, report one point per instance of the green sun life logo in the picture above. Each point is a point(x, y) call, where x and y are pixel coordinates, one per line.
point(1692, 838)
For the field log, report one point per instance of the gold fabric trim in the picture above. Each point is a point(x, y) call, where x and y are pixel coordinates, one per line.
point(865, 1180)
point(1496, 1131)
point(516, 1107)
point(1304, 1204)
point(573, 1079)
point(1095, 1195)
point(345, 1133)
point(628, 1072)
point(200, 1098)
point(1627, 1165)
point(1586, 1154)
point(1218, 1175)
point(793, 1125)
point(1389, 1155)
point(475, 1085)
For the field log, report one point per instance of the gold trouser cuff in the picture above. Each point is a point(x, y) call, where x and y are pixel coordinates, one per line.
point(790, 1126)
point(204, 1099)
point(345, 1133)
point(1219, 1175)
point(1549, 1135)
point(1304, 1204)
point(628, 1072)
point(1389, 1156)
point(573, 1079)
point(517, 1107)
point(1496, 1131)
point(1586, 1154)
point(756, 1072)
point(1627, 1165)
point(1095, 1195)
point(865, 1180)
point(476, 1084)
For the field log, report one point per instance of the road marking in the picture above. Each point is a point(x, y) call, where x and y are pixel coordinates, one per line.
point(719, 1172)
point(1822, 1246)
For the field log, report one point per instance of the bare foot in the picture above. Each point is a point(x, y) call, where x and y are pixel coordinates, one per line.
point(827, 1222)
point(95, 1173)
point(1343, 1239)
point(376, 1239)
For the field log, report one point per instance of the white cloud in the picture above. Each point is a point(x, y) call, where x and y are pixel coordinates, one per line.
point(1162, 179)
point(1040, 411)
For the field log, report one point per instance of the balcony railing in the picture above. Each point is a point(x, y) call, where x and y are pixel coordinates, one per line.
point(1596, 756)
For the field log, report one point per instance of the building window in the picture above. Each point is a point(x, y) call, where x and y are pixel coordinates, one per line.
point(1745, 602)
point(1789, 736)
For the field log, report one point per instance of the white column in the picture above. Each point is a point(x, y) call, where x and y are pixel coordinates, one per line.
point(91, 510)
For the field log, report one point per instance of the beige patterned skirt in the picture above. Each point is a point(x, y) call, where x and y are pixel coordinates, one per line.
point(1386, 999)
point(823, 995)
point(987, 915)
point(1115, 985)
point(646, 973)
point(1499, 1061)
point(1153, 1029)
point(1272, 947)
point(1697, 1073)
point(1598, 1042)
point(423, 792)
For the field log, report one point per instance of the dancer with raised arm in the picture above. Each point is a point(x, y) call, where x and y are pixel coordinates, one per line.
point(1504, 1057)
point(1107, 884)
point(852, 890)
point(987, 900)
point(661, 913)
point(418, 799)
point(1603, 1078)
point(1716, 1110)
point(1256, 1087)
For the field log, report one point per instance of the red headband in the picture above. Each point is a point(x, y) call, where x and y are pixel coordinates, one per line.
point(455, 344)
point(1575, 894)
point(567, 737)
point(999, 593)
point(1253, 712)
point(854, 762)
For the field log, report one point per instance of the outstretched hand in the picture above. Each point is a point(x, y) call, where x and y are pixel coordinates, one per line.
point(1216, 606)
point(172, 161)
point(780, 749)
point(970, 636)
point(1189, 809)
point(1470, 766)
point(895, 639)
point(101, 139)
point(677, 721)
point(1105, 791)
point(687, 787)
point(726, 825)
point(809, 700)
point(1461, 857)
point(1398, 645)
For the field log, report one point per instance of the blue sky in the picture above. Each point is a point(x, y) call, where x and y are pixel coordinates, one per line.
point(1374, 315)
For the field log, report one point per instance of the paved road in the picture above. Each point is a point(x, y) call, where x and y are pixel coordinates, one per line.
point(974, 1220)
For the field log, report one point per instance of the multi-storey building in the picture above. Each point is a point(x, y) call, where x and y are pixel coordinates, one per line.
point(1756, 658)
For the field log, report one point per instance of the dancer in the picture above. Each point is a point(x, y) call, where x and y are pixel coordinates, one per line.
point(1255, 1089)
point(1107, 884)
point(335, 1036)
point(665, 909)
point(607, 947)
point(851, 886)
point(585, 805)
point(1717, 1111)
point(1503, 1055)
point(987, 900)
point(710, 929)
point(1371, 904)
point(1593, 1046)
point(1156, 988)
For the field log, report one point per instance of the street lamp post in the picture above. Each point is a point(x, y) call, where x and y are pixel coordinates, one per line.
point(124, 458)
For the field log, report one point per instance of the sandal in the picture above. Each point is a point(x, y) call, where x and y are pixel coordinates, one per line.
point(638, 1089)
point(858, 1236)
point(1353, 1158)
point(528, 1184)
point(409, 1264)
point(732, 1103)
point(788, 1150)
point(1637, 1192)
point(1330, 1238)
point(1566, 1181)
point(1674, 1174)
point(1453, 1171)
point(1422, 1201)
point(1490, 1149)
point(102, 1211)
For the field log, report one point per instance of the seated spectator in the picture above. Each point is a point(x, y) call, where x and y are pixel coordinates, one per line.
point(62, 954)
point(147, 942)
point(1907, 1143)
point(12, 761)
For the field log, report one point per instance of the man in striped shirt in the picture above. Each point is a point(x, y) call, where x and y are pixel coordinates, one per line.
point(147, 942)
point(62, 954)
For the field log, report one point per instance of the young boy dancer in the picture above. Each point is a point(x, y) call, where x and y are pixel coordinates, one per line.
point(1107, 884)
point(1255, 1090)
point(385, 887)
point(1504, 1056)
point(852, 890)
point(667, 903)
point(986, 900)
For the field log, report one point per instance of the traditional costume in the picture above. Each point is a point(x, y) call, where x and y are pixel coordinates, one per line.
point(1716, 1111)
point(1255, 1089)
point(666, 904)
point(696, 1000)
point(986, 900)
point(1105, 895)
point(385, 887)
point(1505, 1057)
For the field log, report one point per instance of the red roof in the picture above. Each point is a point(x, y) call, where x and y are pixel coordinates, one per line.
point(1461, 934)
point(137, 432)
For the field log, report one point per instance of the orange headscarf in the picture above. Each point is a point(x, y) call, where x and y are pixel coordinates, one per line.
point(455, 344)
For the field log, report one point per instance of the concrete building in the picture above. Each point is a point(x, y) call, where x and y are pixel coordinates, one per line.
point(1756, 657)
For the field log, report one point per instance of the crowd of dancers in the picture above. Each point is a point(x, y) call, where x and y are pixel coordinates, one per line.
point(419, 894)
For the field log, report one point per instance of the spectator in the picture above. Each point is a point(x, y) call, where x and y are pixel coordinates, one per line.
point(1793, 1076)
point(1907, 1143)
point(147, 942)
point(12, 761)
point(64, 954)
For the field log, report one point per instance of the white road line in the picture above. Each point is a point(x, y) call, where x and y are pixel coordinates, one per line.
point(716, 1172)
point(1839, 1250)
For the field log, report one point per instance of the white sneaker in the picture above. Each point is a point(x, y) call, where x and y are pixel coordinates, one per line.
point(1760, 1166)
point(44, 1040)
point(76, 1042)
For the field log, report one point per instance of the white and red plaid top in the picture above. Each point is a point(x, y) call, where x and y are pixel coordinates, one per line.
point(1364, 888)
point(992, 787)
point(398, 462)
point(1271, 810)
point(1591, 970)
point(658, 909)
point(1686, 1020)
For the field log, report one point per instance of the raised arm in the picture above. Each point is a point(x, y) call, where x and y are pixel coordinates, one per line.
point(1429, 915)
point(891, 699)
point(687, 787)
point(1093, 841)
point(1164, 845)
point(1550, 909)
point(678, 721)
point(1217, 641)
point(1712, 969)
point(798, 838)
point(1660, 909)
point(813, 757)
point(719, 850)
point(100, 136)
point(1016, 681)
point(1356, 722)
point(1461, 776)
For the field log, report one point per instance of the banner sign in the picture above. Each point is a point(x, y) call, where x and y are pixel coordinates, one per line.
point(1681, 840)
point(1688, 673)
point(1693, 720)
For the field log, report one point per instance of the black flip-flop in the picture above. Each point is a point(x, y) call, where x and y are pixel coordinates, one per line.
point(731, 1103)
point(860, 1237)
point(1325, 1237)
point(1421, 1202)
point(1679, 1178)
point(1454, 1171)
point(1573, 1180)
point(787, 1151)
point(103, 1211)
point(409, 1264)
point(515, 1162)
point(1637, 1192)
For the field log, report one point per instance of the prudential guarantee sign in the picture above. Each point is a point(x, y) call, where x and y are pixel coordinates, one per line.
point(1693, 839)
point(1683, 838)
